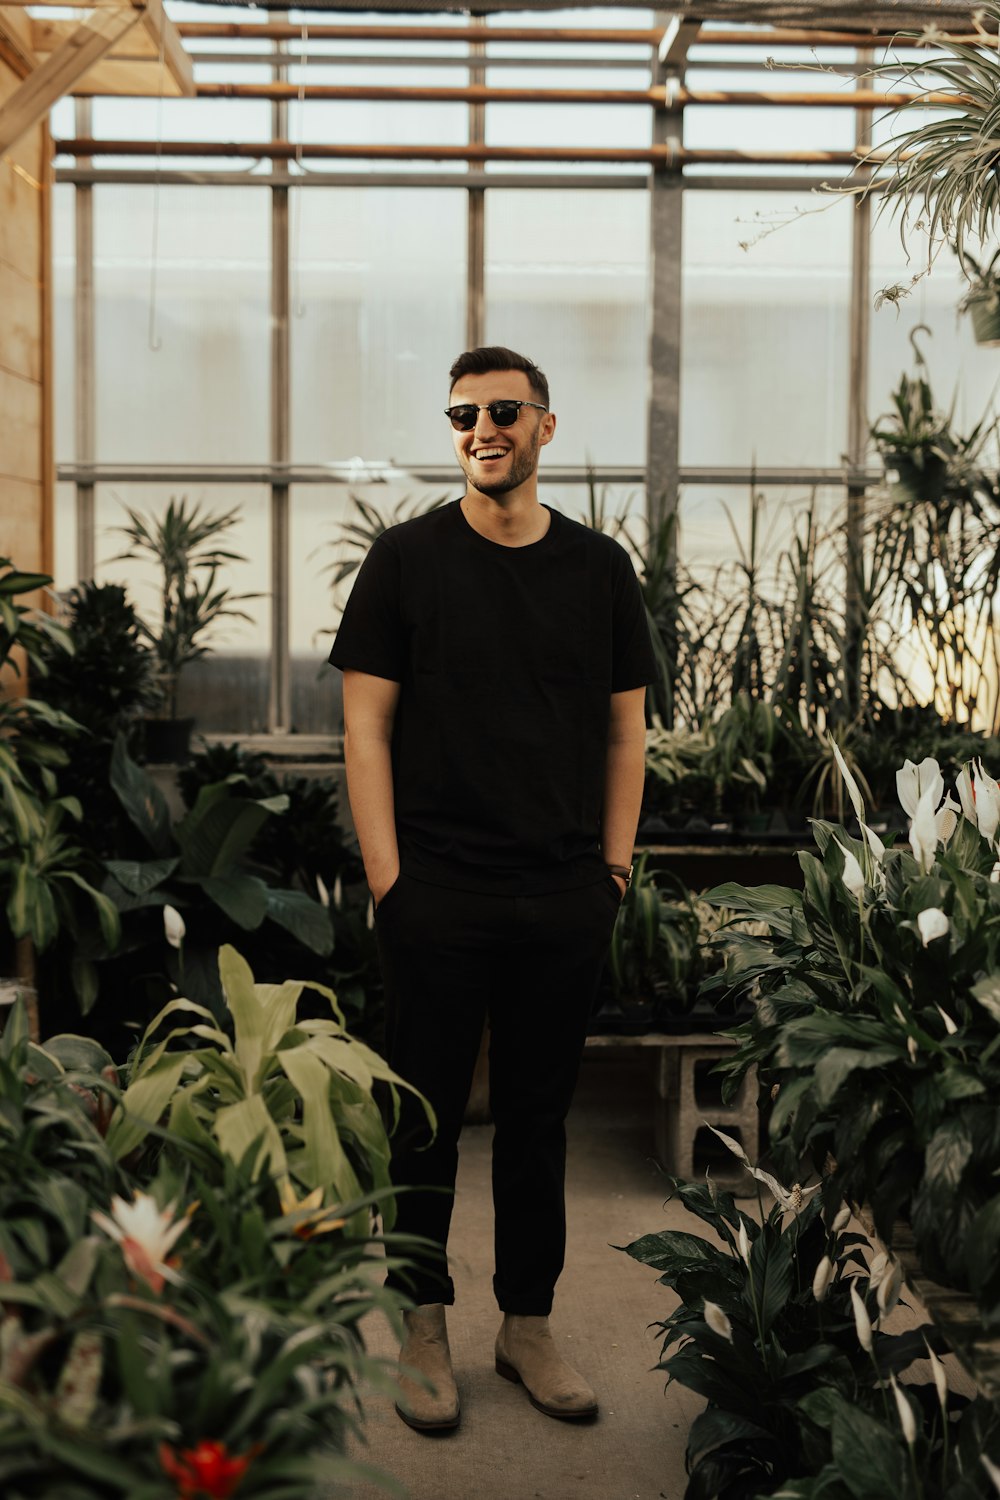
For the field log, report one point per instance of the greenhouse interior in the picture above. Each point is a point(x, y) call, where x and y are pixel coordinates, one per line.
point(328, 702)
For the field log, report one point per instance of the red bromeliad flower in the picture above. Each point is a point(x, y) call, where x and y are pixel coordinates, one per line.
point(207, 1469)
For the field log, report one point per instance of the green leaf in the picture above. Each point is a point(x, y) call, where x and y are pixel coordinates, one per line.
point(215, 837)
point(322, 1161)
point(243, 898)
point(987, 992)
point(141, 876)
point(868, 1456)
point(240, 1127)
point(142, 799)
point(142, 1104)
point(840, 1062)
point(303, 917)
point(770, 1282)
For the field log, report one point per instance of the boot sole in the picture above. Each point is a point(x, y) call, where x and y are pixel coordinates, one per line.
point(448, 1424)
point(509, 1373)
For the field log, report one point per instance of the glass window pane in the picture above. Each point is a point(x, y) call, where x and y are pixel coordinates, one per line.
point(374, 330)
point(567, 284)
point(64, 319)
point(765, 340)
point(182, 324)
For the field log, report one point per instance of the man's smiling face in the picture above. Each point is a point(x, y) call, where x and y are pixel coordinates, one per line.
point(497, 460)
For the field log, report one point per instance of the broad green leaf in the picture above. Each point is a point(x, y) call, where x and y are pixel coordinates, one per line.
point(215, 839)
point(107, 914)
point(142, 1104)
point(140, 876)
point(323, 1162)
point(251, 1024)
point(77, 1265)
point(987, 992)
point(142, 799)
point(867, 1455)
point(342, 1056)
point(303, 917)
point(78, 1054)
point(243, 898)
point(840, 1062)
point(239, 1127)
point(770, 1282)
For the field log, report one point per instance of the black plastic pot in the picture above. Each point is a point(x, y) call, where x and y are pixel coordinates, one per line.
point(167, 742)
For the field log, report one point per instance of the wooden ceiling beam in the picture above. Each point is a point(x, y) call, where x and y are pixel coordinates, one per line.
point(45, 85)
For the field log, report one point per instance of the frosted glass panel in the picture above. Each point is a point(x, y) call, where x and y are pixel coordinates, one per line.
point(63, 317)
point(567, 284)
point(765, 334)
point(202, 394)
point(960, 370)
point(378, 317)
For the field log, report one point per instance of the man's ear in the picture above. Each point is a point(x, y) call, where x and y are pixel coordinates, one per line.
point(547, 428)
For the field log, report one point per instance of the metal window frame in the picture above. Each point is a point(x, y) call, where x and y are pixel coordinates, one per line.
point(662, 474)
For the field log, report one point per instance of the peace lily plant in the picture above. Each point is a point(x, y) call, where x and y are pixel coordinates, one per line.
point(876, 1018)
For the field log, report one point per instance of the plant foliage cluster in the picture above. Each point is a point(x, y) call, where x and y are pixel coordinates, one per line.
point(186, 1252)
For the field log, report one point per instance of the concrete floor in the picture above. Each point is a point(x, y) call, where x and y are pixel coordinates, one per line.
point(504, 1448)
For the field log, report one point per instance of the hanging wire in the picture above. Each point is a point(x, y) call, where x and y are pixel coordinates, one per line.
point(153, 337)
point(298, 306)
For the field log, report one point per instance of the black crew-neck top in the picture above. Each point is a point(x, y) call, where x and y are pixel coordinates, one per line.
point(506, 658)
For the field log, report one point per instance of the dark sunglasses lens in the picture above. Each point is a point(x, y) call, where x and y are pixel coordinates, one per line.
point(504, 413)
point(463, 418)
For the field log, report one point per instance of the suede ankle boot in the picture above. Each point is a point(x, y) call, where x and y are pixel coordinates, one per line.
point(425, 1350)
point(525, 1351)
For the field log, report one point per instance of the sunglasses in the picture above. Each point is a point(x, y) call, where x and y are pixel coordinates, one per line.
point(502, 413)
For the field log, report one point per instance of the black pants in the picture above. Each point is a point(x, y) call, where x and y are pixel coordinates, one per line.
point(532, 964)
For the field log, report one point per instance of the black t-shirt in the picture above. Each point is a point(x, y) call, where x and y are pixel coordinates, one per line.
point(507, 657)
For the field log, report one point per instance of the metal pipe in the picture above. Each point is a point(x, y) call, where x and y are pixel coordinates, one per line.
point(279, 713)
point(285, 150)
point(602, 182)
point(660, 98)
point(83, 386)
point(622, 36)
point(351, 472)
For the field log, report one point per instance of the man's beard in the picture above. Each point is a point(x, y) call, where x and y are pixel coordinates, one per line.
point(522, 466)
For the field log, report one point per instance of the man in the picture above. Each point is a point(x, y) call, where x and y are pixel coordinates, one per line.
point(495, 656)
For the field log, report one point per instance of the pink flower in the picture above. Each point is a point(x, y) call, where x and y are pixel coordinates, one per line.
point(146, 1234)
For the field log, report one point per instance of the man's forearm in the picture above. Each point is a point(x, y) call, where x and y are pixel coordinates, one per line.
point(369, 788)
point(625, 771)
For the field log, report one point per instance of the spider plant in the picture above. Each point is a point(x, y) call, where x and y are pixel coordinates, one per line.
point(944, 174)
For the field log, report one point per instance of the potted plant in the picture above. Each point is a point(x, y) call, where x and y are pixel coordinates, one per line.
point(982, 297)
point(184, 544)
point(875, 1022)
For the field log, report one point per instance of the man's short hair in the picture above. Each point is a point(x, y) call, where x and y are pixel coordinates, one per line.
point(485, 361)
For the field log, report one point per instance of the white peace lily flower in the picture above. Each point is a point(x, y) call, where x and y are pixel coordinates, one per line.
point(853, 876)
point(966, 796)
point(932, 923)
point(940, 1378)
point(862, 1321)
point(146, 1234)
point(841, 1221)
point(744, 1243)
point(889, 1288)
point(173, 926)
point(992, 1470)
point(877, 1269)
point(911, 1047)
point(874, 842)
point(322, 892)
point(987, 795)
point(923, 829)
point(906, 1418)
point(949, 1024)
point(790, 1202)
point(338, 893)
point(995, 874)
point(946, 818)
point(822, 1278)
point(717, 1321)
point(913, 781)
